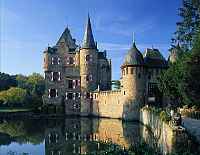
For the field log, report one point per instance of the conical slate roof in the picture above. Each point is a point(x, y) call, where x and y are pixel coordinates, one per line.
point(88, 41)
point(67, 39)
point(133, 57)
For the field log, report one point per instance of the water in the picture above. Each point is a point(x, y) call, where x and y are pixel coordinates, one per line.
point(72, 136)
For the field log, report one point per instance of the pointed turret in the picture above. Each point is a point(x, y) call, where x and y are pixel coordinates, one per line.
point(134, 56)
point(88, 41)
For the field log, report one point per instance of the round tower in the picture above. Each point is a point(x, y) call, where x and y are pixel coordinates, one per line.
point(133, 82)
point(88, 69)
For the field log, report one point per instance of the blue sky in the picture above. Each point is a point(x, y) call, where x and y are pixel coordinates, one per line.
point(28, 26)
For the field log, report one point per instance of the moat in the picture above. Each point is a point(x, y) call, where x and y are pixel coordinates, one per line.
point(72, 136)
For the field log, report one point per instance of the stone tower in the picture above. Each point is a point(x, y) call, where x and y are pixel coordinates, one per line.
point(133, 78)
point(88, 69)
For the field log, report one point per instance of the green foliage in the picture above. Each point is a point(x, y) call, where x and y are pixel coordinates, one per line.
point(28, 92)
point(190, 22)
point(13, 96)
point(7, 81)
point(34, 83)
point(181, 82)
point(193, 77)
point(172, 82)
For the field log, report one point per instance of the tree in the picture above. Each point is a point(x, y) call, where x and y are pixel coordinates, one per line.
point(13, 96)
point(36, 84)
point(172, 82)
point(190, 22)
point(7, 81)
point(193, 73)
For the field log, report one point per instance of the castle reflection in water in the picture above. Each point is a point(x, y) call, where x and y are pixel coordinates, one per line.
point(67, 136)
point(79, 136)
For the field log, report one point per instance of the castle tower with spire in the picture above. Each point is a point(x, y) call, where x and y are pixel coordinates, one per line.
point(72, 73)
point(88, 69)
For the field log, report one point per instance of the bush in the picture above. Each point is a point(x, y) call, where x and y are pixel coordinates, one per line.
point(13, 96)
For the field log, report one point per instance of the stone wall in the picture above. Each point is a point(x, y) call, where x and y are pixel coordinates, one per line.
point(164, 136)
point(114, 104)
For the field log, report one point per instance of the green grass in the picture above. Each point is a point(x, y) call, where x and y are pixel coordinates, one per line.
point(2, 110)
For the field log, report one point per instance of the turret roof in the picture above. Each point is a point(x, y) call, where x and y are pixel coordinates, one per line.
point(88, 41)
point(134, 56)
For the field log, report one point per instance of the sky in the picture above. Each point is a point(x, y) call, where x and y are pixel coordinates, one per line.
point(27, 27)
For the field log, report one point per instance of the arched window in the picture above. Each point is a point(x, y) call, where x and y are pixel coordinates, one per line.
point(87, 58)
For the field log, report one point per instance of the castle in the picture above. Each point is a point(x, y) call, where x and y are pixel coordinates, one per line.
point(78, 79)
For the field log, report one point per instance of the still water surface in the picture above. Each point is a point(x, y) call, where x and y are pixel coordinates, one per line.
point(72, 136)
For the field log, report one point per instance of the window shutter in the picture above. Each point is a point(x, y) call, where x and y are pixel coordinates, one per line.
point(51, 76)
point(59, 78)
point(58, 61)
point(52, 60)
point(66, 96)
point(56, 93)
point(67, 60)
point(74, 96)
point(49, 93)
point(74, 84)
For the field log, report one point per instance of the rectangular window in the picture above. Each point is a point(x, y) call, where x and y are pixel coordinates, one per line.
point(70, 84)
point(70, 96)
point(87, 95)
point(131, 70)
point(126, 70)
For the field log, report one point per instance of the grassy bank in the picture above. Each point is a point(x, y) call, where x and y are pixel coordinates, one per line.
point(3, 110)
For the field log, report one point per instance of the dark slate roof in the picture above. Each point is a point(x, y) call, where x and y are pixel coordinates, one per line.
point(67, 39)
point(101, 55)
point(51, 50)
point(153, 58)
point(88, 41)
point(133, 57)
